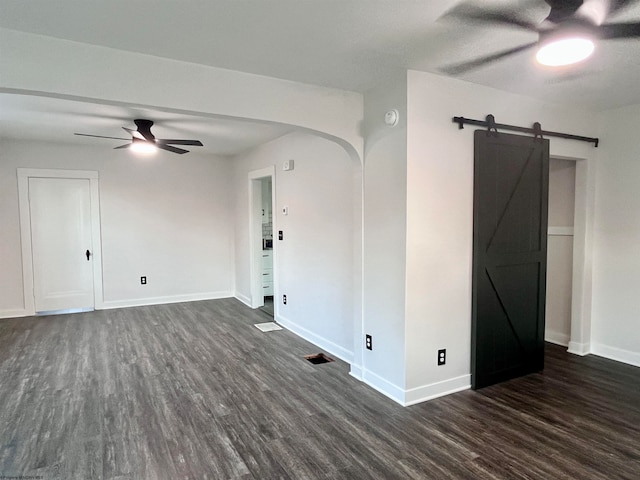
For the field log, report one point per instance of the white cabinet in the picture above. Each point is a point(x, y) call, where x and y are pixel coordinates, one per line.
point(266, 200)
point(267, 273)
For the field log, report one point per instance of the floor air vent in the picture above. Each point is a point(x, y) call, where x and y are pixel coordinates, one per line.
point(318, 358)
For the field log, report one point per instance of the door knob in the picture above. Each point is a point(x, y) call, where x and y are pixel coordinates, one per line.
point(88, 254)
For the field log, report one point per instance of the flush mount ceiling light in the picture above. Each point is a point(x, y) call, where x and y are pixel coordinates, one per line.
point(565, 47)
point(142, 147)
point(565, 52)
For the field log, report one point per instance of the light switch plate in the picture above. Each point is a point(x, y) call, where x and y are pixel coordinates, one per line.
point(287, 165)
point(285, 210)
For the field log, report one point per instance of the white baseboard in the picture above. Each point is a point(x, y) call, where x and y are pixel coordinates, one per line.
point(562, 231)
point(356, 371)
point(14, 313)
point(383, 386)
point(244, 299)
point(411, 396)
point(139, 302)
point(581, 349)
point(136, 302)
point(557, 338)
point(435, 390)
point(617, 354)
point(323, 343)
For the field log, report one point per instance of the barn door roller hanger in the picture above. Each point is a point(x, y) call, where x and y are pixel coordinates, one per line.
point(492, 129)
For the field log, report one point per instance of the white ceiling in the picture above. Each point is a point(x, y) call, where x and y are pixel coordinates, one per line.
point(56, 120)
point(346, 44)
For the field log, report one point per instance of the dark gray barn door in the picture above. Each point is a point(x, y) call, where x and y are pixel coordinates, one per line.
point(511, 183)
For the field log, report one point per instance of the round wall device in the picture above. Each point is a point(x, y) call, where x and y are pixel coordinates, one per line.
point(391, 118)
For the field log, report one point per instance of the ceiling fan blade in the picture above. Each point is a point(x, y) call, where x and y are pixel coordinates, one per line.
point(619, 30)
point(473, 14)
point(615, 5)
point(99, 136)
point(143, 134)
point(479, 62)
point(164, 141)
point(169, 148)
point(134, 133)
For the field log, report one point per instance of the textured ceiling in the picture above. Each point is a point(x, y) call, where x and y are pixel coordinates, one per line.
point(346, 44)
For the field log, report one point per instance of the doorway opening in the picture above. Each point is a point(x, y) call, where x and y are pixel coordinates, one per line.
point(262, 226)
point(560, 239)
point(579, 173)
point(267, 247)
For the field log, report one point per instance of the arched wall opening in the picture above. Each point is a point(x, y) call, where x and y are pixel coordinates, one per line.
point(320, 265)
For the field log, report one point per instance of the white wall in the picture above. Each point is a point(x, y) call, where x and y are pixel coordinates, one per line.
point(316, 263)
point(98, 74)
point(385, 181)
point(439, 215)
point(562, 182)
point(616, 266)
point(562, 192)
point(165, 217)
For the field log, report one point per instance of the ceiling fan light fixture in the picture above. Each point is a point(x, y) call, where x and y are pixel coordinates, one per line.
point(145, 143)
point(143, 147)
point(565, 51)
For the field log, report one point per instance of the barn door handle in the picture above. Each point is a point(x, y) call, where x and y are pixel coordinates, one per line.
point(88, 254)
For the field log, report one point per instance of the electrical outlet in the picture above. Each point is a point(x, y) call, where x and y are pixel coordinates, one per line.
point(284, 299)
point(442, 356)
point(368, 342)
point(280, 235)
point(143, 280)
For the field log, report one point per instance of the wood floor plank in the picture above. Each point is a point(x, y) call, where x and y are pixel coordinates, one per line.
point(247, 441)
point(195, 391)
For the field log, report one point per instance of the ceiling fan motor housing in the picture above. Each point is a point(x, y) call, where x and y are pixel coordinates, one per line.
point(562, 10)
point(144, 127)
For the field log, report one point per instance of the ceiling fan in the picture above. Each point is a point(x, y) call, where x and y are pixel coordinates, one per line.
point(143, 141)
point(567, 35)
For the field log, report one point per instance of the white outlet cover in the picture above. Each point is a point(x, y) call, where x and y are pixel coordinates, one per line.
point(285, 210)
point(287, 165)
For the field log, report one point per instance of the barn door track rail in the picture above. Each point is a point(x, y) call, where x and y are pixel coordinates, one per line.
point(492, 129)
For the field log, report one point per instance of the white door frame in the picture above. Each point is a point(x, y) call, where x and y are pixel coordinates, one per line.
point(24, 174)
point(581, 289)
point(255, 235)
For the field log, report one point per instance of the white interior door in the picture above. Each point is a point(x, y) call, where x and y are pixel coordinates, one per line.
point(60, 210)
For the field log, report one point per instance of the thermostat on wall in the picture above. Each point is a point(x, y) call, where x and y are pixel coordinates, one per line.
point(287, 165)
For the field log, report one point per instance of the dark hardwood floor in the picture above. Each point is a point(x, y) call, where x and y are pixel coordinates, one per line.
point(268, 307)
point(195, 391)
